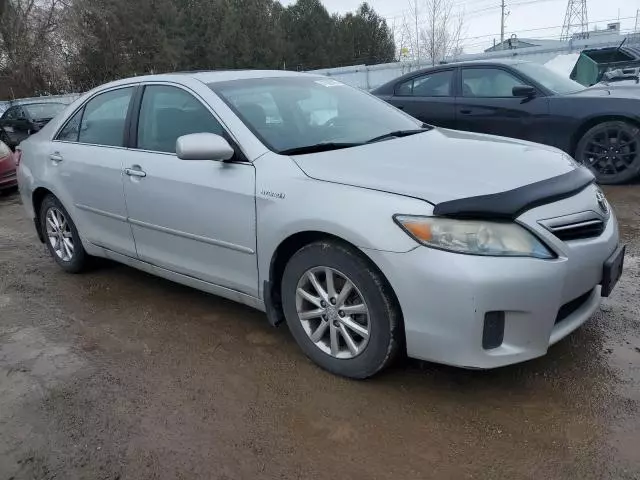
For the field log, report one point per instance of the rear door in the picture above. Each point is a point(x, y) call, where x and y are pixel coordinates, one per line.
point(88, 155)
point(428, 97)
point(486, 105)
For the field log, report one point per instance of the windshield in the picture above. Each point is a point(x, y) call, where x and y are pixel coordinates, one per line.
point(292, 113)
point(44, 110)
point(549, 79)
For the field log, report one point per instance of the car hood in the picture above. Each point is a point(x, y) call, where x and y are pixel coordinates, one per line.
point(610, 90)
point(439, 165)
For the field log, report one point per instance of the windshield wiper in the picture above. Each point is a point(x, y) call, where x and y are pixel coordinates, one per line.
point(400, 133)
point(317, 148)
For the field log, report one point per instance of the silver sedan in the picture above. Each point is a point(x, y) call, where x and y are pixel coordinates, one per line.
point(366, 231)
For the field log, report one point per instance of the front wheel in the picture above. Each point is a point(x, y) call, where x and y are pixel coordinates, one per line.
point(611, 150)
point(340, 310)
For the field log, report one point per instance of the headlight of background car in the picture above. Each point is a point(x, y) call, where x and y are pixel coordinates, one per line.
point(4, 151)
point(476, 237)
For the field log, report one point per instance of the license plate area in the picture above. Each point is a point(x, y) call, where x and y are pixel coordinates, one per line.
point(612, 270)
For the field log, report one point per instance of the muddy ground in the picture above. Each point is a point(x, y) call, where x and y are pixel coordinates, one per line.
point(116, 374)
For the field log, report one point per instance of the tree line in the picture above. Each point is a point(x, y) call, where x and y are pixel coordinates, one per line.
point(59, 46)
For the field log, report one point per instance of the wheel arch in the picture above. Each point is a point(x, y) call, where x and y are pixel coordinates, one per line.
point(593, 121)
point(37, 197)
point(281, 256)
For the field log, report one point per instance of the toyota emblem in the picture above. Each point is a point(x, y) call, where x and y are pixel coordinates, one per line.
point(602, 201)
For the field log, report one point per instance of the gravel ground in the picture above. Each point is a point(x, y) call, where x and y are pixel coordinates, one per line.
point(115, 374)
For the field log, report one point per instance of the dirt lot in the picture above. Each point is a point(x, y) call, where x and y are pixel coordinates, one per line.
point(116, 374)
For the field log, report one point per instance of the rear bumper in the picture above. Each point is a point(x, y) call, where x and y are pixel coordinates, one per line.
point(445, 298)
point(8, 179)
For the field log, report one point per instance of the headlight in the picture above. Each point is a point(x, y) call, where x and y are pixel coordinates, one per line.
point(4, 150)
point(476, 237)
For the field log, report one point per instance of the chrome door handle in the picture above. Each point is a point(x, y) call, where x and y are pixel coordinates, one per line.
point(135, 172)
point(56, 157)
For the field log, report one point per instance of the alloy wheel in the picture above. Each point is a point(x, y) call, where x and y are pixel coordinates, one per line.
point(610, 151)
point(59, 234)
point(333, 312)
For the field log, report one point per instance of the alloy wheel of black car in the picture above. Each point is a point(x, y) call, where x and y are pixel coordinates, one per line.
point(611, 150)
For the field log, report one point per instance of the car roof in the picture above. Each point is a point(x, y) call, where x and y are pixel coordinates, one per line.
point(389, 87)
point(208, 77)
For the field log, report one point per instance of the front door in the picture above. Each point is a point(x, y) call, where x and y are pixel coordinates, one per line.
point(192, 217)
point(88, 155)
point(487, 105)
point(428, 97)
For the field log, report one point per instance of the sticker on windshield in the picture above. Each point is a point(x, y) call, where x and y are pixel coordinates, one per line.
point(330, 83)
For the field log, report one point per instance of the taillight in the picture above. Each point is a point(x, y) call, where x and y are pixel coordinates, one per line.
point(17, 156)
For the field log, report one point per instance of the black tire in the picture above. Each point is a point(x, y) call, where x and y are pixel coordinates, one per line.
point(610, 164)
point(80, 260)
point(384, 315)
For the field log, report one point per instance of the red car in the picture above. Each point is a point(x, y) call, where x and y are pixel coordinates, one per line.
point(8, 177)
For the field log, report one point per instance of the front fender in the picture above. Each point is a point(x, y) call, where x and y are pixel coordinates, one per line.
point(288, 202)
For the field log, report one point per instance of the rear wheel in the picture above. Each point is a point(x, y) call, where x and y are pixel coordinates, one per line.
point(61, 236)
point(611, 150)
point(340, 310)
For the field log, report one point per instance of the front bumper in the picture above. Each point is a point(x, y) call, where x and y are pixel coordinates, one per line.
point(444, 298)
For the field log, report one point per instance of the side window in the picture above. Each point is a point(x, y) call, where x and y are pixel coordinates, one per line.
point(105, 117)
point(437, 84)
point(71, 130)
point(168, 113)
point(10, 114)
point(488, 82)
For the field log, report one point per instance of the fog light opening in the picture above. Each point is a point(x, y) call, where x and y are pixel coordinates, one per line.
point(493, 333)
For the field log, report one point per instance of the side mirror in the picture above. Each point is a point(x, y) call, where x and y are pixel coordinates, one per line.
point(203, 146)
point(523, 91)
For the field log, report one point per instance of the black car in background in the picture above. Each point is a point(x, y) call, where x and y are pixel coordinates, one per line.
point(599, 127)
point(20, 121)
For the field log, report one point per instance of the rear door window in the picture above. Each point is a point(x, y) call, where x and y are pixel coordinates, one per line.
point(105, 117)
point(436, 84)
point(71, 130)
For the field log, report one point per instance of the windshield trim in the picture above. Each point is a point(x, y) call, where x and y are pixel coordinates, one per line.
point(216, 88)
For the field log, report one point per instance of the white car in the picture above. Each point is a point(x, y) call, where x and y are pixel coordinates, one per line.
point(368, 232)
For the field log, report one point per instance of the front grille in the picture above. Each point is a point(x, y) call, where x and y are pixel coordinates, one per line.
point(576, 226)
point(570, 307)
point(578, 231)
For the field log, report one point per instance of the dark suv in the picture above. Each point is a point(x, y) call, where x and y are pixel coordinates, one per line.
point(20, 121)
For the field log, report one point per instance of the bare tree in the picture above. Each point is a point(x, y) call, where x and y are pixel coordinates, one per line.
point(28, 53)
point(433, 30)
point(441, 36)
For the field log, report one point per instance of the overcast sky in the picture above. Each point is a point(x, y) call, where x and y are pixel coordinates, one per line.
point(534, 18)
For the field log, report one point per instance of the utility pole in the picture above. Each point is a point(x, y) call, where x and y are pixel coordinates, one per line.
point(502, 25)
point(635, 29)
point(417, 33)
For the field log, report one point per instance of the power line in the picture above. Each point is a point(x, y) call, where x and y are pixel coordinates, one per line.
point(547, 28)
point(549, 37)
